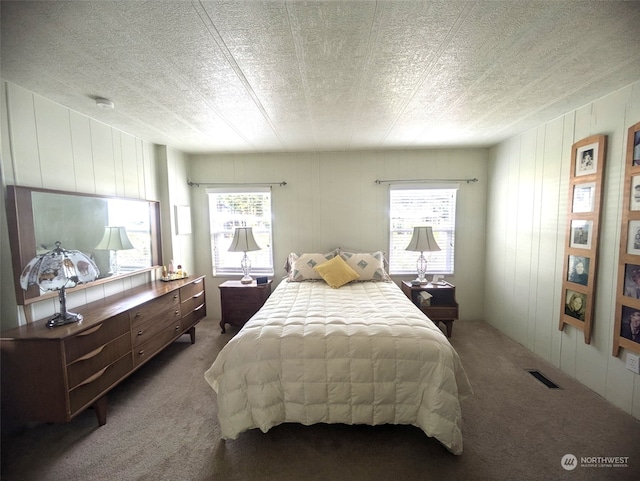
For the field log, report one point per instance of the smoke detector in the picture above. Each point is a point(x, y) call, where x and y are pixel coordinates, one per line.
point(104, 103)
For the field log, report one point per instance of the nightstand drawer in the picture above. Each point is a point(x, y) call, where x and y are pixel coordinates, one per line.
point(437, 313)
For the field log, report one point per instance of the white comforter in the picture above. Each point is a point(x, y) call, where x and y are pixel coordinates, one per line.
point(361, 354)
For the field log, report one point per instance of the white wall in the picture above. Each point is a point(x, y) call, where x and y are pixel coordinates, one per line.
point(47, 145)
point(526, 222)
point(331, 199)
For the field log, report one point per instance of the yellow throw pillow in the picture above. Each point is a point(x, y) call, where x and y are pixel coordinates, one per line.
point(336, 272)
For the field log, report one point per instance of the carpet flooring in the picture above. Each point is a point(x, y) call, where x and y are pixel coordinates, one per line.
point(162, 425)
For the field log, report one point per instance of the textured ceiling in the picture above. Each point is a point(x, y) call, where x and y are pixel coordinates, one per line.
point(244, 76)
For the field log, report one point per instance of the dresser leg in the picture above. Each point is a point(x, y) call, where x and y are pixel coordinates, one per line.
point(449, 325)
point(100, 407)
point(222, 323)
point(192, 333)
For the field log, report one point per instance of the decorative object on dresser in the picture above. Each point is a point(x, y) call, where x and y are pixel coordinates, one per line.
point(56, 271)
point(114, 239)
point(441, 306)
point(53, 375)
point(240, 301)
point(243, 241)
point(422, 241)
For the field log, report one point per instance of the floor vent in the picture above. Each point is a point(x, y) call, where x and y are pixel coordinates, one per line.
point(543, 379)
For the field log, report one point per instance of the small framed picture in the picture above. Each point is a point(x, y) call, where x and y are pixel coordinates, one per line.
point(633, 238)
point(587, 159)
point(578, 270)
point(575, 304)
point(634, 202)
point(584, 197)
point(581, 233)
point(630, 324)
point(636, 147)
point(632, 280)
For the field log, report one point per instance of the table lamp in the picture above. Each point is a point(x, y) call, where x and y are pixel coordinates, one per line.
point(243, 241)
point(57, 270)
point(422, 241)
point(114, 239)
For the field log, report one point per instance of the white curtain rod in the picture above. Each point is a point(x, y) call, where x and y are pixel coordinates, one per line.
point(222, 184)
point(408, 181)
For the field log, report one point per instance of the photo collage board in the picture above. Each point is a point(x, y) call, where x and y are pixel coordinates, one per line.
point(627, 321)
point(581, 246)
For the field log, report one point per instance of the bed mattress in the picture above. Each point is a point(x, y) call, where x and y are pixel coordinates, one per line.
point(360, 354)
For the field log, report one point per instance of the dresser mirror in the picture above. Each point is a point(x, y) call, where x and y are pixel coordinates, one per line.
point(38, 218)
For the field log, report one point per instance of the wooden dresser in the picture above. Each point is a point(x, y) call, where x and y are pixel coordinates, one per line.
point(53, 374)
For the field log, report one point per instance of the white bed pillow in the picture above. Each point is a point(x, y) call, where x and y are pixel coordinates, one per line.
point(301, 266)
point(370, 266)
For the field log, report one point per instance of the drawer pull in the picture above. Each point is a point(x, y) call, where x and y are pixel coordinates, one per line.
point(139, 333)
point(177, 313)
point(198, 308)
point(198, 281)
point(91, 354)
point(175, 296)
point(93, 378)
point(137, 314)
point(198, 295)
point(90, 331)
point(141, 352)
point(177, 327)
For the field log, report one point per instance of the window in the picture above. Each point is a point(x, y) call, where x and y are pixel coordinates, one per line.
point(229, 209)
point(412, 206)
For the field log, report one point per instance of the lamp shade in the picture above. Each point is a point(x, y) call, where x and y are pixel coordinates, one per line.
point(423, 240)
point(243, 240)
point(114, 239)
point(58, 269)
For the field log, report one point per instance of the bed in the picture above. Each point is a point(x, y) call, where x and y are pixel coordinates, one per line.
point(358, 354)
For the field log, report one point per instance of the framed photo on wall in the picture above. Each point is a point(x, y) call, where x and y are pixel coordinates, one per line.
point(626, 330)
point(581, 234)
point(634, 195)
point(578, 270)
point(587, 159)
point(583, 222)
point(583, 197)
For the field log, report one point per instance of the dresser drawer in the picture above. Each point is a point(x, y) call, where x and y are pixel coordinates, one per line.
point(148, 349)
point(89, 364)
point(88, 341)
point(191, 290)
point(192, 303)
point(193, 317)
point(151, 309)
point(143, 332)
point(94, 387)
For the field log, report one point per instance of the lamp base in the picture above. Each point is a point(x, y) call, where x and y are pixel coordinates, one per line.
point(246, 279)
point(61, 319)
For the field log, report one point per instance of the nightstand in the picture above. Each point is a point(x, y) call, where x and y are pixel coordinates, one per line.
point(241, 301)
point(442, 307)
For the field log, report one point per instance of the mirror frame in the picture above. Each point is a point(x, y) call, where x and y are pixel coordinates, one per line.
point(22, 239)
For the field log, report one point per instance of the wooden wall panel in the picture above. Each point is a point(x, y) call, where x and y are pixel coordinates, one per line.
point(510, 179)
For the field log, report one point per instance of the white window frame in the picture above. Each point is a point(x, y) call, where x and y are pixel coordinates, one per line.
point(402, 220)
point(222, 227)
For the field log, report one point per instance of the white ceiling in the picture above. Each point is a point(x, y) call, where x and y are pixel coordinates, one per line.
point(244, 76)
